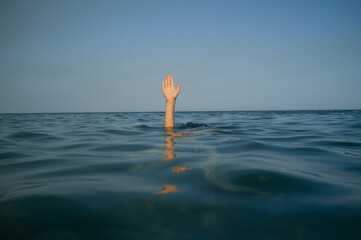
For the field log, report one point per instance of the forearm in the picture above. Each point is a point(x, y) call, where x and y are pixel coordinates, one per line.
point(169, 114)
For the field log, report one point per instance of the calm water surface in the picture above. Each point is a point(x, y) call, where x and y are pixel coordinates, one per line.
point(239, 175)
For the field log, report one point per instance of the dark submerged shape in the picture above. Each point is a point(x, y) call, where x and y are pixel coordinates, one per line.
point(194, 125)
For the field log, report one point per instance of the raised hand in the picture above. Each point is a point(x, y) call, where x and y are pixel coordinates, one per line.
point(169, 91)
point(170, 94)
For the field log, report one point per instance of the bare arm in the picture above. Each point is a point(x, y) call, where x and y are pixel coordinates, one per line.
point(170, 95)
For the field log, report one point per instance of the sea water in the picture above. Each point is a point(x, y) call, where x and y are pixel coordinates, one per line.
point(225, 175)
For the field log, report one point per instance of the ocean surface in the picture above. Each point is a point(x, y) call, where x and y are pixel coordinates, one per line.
point(226, 175)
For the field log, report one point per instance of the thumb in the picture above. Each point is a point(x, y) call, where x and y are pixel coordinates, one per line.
point(178, 87)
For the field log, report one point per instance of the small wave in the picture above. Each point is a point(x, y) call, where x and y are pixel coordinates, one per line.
point(243, 145)
point(149, 127)
point(123, 148)
point(351, 144)
point(75, 146)
point(91, 170)
point(141, 120)
point(40, 163)
point(12, 155)
point(121, 132)
point(4, 142)
point(356, 126)
point(26, 135)
point(253, 146)
point(33, 166)
point(227, 128)
point(286, 138)
point(263, 182)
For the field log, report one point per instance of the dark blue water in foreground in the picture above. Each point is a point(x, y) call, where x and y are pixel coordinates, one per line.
point(245, 175)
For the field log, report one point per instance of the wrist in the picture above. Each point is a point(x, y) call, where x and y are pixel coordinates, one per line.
point(171, 100)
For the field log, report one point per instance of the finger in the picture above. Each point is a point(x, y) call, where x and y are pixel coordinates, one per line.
point(171, 80)
point(163, 85)
point(166, 81)
point(178, 87)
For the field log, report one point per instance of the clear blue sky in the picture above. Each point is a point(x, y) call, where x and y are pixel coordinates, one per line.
point(75, 56)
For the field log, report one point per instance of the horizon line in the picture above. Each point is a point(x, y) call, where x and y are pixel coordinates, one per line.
point(273, 110)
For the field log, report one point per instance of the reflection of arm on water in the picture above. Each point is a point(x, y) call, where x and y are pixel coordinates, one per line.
point(169, 142)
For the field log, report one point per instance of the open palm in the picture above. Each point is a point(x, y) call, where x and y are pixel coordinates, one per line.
point(169, 91)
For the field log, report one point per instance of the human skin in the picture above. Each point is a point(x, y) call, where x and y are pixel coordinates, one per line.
point(170, 94)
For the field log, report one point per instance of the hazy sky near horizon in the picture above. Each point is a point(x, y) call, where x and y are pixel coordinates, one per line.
point(85, 56)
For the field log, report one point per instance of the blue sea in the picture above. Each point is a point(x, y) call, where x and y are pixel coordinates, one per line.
point(217, 175)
